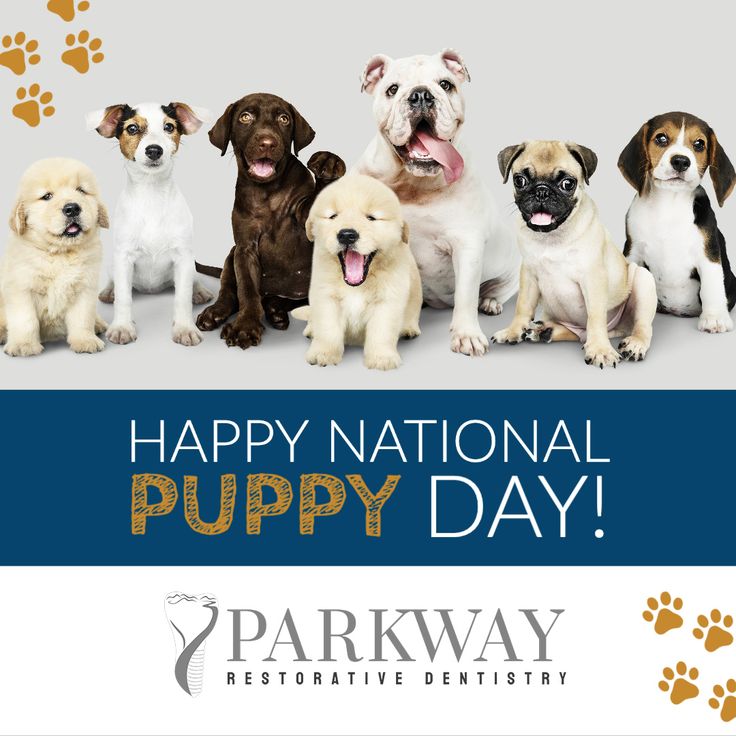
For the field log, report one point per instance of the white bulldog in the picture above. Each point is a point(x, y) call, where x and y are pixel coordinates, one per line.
point(467, 257)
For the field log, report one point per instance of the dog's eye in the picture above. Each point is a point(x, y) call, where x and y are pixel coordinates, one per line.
point(132, 129)
point(284, 119)
point(699, 145)
point(46, 197)
point(81, 190)
point(169, 127)
point(371, 218)
point(246, 117)
point(568, 184)
point(520, 181)
point(332, 216)
point(661, 139)
point(392, 90)
point(446, 85)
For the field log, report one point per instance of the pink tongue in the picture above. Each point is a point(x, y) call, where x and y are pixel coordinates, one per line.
point(354, 267)
point(262, 168)
point(444, 153)
point(541, 218)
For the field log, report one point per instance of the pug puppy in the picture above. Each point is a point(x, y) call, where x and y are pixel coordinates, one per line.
point(365, 287)
point(570, 264)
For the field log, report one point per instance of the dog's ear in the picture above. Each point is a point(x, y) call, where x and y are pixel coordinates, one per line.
point(586, 158)
point(454, 62)
point(18, 218)
point(374, 70)
point(722, 173)
point(190, 118)
point(633, 161)
point(303, 134)
point(405, 232)
point(309, 227)
point(105, 122)
point(221, 131)
point(103, 218)
point(507, 157)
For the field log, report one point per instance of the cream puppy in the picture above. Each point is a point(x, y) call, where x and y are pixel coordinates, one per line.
point(50, 271)
point(365, 287)
point(570, 264)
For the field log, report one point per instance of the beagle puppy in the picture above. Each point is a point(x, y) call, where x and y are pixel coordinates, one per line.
point(671, 228)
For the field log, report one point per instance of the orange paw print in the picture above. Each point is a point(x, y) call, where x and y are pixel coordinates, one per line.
point(16, 53)
point(666, 610)
point(82, 51)
point(66, 9)
point(33, 104)
point(724, 700)
point(679, 683)
point(714, 630)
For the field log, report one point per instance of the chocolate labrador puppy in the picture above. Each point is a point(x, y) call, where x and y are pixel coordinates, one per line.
point(267, 271)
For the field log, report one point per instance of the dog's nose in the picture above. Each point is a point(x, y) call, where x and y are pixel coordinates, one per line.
point(421, 98)
point(72, 209)
point(541, 192)
point(266, 143)
point(347, 237)
point(154, 152)
point(680, 163)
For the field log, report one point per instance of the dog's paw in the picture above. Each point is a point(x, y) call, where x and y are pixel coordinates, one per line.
point(201, 295)
point(186, 335)
point(537, 332)
point(410, 332)
point(212, 317)
point(86, 344)
point(601, 355)
point(23, 349)
point(385, 361)
point(715, 323)
point(242, 334)
point(100, 325)
point(632, 348)
point(324, 354)
point(121, 334)
point(326, 166)
point(469, 342)
point(107, 295)
point(509, 336)
point(490, 306)
point(307, 332)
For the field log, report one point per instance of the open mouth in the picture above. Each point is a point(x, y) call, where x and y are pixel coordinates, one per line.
point(427, 151)
point(262, 168)
point(72, 230)
point(543, 222)
point(354, 266)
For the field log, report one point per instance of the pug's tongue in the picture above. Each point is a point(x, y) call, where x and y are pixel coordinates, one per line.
point(262, 167)
point(443, 152)
point(541, 218)
point(354, 267)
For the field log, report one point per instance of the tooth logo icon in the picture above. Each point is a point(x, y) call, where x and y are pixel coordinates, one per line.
point(192, 618)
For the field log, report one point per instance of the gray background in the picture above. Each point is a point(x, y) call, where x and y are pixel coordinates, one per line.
point(583, 71)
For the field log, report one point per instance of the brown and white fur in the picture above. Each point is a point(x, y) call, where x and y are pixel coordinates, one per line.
point(50, 270)
point(153, 224)
point(671, 228)
point(365, 287)
point(571, 265)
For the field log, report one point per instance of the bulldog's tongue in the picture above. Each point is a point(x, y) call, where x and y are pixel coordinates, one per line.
point(262, 167)
point(444, 153)
point(541, 218)
point(354, 267)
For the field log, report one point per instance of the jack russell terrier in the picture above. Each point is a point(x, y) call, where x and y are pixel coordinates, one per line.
point(153, 224)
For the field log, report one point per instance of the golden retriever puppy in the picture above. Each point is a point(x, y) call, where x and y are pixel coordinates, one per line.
point(365, 287)
point(50, 271)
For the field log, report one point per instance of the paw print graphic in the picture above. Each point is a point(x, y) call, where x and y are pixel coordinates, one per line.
point(713, 630)
point(33, 104)
point(724, 700)
point(666, 611)
point(680, 683)
point(16, 53)
point(82, 51)
point(67, 9)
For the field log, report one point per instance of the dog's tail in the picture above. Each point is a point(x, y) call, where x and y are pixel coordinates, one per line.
point(301, 313)
point(208, 270)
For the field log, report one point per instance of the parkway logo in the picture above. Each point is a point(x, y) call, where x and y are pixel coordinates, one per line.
point(192, 618)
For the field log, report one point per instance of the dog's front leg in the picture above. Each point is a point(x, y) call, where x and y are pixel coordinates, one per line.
point(381, 337)
point(465, 334)
point(714, 316)
point(184, 331)
point(526, 307)
point(246, 330)
point(122, 330)
point(80, 322)
point(598, 349)
point(327, 327)
point(24, 330)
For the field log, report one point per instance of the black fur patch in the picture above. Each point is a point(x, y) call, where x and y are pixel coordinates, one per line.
point(170, 110)
point(128, 113)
